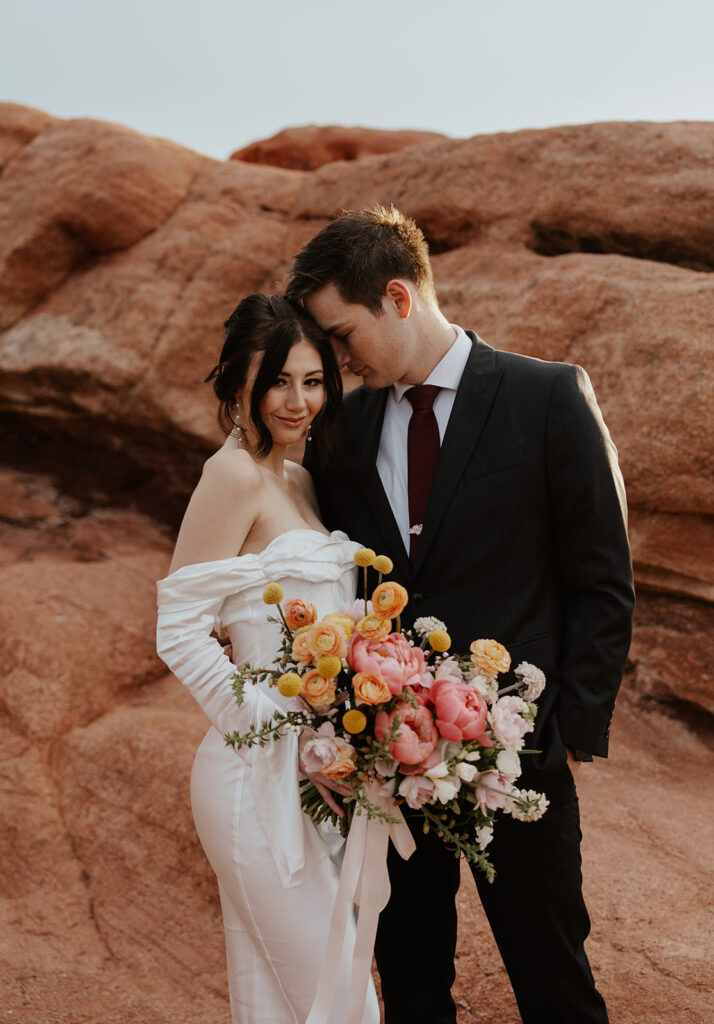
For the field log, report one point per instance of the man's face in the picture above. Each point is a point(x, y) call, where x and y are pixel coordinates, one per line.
point(374, 347)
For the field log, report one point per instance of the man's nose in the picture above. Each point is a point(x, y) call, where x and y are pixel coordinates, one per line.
point(341, 354)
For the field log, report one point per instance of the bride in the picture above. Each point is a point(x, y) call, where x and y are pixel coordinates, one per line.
point(253, 519)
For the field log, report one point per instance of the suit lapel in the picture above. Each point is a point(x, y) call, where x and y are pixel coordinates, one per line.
point(477, 389)
point(365, 466)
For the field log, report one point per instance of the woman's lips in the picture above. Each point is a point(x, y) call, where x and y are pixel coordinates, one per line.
point(292, 422)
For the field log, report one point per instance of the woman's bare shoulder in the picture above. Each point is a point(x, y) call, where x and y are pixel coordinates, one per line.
point(231, 467)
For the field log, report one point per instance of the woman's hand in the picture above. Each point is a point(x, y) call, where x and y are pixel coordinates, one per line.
point(326, 787)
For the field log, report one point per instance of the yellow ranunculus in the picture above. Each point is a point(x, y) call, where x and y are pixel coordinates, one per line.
point(328, 666)
point(374, 628)
point(490, 657)
point(344, 621)
point(439, 640)
point(290, 684)
point(273, 593)
point(365, 557)
point(354, 721)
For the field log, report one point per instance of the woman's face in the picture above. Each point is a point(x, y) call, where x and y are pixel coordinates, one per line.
point(291, 404)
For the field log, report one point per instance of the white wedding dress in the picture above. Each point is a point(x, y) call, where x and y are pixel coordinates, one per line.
point(276, 880)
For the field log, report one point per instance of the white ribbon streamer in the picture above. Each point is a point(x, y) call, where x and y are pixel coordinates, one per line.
point(364, 880)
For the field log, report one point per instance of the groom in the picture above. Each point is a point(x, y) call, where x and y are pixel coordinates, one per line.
point(491, 481)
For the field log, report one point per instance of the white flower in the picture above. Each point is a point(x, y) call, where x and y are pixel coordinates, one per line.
point(472, 756)
point(446, 789)
point(446, 786)
point(416, 529)
point(526, 805)
point(384, 767)
point(488, 688)
point(508, 763)
point(466, 771)
point(532, 679)
point(428, 624)
point(509, 720)
point(484, 836)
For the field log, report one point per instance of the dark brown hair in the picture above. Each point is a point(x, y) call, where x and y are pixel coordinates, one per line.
point(272, 324)
point(360, 253)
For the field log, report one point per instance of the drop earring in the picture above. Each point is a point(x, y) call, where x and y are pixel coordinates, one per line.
point(240, 430)
point(309, 434)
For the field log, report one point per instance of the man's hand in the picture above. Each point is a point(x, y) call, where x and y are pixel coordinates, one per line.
point(326, 787)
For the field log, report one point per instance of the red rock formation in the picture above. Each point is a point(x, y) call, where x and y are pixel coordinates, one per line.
point(312, 146)
point(120, 257)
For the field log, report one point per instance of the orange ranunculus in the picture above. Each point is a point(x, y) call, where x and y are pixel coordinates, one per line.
point(299, 613)
point(318, 691)
point(326, 638)
point(389, 600)
point(490, 657)
point(345, 621)
point(343, 765)
point(301, 647)
point(370, 689)
point(374, 628)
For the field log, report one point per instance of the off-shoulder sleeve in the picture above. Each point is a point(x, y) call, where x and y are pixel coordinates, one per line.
point(189, 604)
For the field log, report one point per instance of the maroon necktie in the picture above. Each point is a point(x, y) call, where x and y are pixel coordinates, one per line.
point(422, 456)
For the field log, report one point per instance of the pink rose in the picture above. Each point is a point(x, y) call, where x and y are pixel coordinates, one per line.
point(461, 711)
point(417, 733)
point(417, 791)
point(509, 727)
point(491, 790)
point(394, 659)
point(317, 753)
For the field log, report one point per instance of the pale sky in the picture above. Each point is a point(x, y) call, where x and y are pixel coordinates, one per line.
point(217, 74)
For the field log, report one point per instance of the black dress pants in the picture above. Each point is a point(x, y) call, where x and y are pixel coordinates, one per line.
point(535, 908)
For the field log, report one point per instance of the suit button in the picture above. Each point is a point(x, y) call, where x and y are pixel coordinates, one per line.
point(417, 598)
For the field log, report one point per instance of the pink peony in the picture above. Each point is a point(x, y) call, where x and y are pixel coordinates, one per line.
point(417, 733)
point(417, 791)
point(461, 711)
point(356, 610)
point(491, 790)
point(509, 727)
point(394, 659)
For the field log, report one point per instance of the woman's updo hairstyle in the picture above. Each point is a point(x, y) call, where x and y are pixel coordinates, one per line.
point(271, 324)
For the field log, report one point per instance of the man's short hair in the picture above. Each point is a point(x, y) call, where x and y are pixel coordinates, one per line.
point(360, 253)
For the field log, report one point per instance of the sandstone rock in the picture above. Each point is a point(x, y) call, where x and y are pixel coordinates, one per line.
point(78, 190)
point(627, 188)
point(309, 147)
point(18, 126)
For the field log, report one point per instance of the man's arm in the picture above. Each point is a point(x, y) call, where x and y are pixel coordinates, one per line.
point(590, 518)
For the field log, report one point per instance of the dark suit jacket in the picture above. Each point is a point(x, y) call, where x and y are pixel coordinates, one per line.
point(525, 532)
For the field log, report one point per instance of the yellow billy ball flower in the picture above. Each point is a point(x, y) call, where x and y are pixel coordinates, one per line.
point(383, 564)
point(354, 721)
point(364, 557)
point(290, 684)
point(439, 640)
point(273, 594)
point(329, 666)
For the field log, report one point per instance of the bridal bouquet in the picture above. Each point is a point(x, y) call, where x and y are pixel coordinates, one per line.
point(376, 705)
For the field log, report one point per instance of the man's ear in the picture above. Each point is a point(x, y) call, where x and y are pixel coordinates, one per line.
point(399, 296)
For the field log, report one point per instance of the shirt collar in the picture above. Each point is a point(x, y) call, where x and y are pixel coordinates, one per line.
point(448, 371)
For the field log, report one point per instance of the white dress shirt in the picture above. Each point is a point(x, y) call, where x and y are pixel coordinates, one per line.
point(392, 457)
